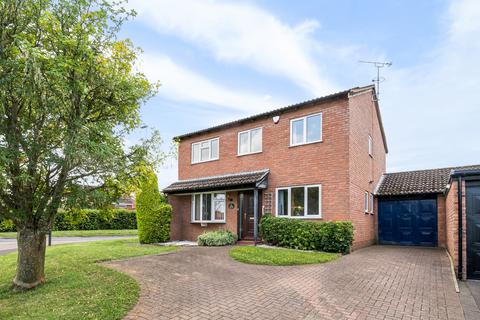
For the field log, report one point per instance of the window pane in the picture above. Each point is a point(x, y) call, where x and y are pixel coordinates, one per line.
point(197, 208)
point(297, 131)
point(243, 141)
point(313, 200)
point(214, 149)
point(298, 199)
point(219, 203)
point(195, 153)
point(313, 128)
point(282, 202)
point(365, 200)
point(207, 207)
point(205, 153)
point(256, 140)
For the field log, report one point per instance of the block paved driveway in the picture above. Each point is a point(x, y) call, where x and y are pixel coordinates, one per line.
point(379, 282)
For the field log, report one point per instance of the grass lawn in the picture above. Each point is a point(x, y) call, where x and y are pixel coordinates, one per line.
point(80, 233)
point(280, 256)
point(76, 287)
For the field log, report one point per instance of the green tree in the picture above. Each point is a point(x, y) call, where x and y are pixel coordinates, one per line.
point(153, 213)
point(69, 93)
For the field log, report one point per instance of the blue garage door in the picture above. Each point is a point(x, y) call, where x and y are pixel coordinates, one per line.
point(411, 222)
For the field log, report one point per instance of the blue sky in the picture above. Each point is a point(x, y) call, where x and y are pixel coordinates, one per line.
point(221, 60)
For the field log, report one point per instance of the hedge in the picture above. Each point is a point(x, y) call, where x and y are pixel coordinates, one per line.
point(217, 238)
point(307, 235)
point(87, 219)
point(154, 215)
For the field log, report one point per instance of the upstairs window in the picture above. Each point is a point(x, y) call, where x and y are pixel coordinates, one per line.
point(208, 207)
point(299, 202)
point(370, 145)
point(305, 130)
point(205, 150)
point(250, 141)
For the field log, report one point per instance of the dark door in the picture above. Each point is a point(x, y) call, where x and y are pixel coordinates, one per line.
point(246, 217)
point(473, 230)
point(411, 222)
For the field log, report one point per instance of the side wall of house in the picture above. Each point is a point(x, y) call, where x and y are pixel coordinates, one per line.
point(451, 223)
point(365, 170)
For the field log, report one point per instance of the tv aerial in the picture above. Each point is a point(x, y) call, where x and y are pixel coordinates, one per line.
point(378, 65)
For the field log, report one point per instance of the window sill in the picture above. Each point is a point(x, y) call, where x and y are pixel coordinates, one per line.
point(304, 144)
point(301, 217)
point(247, 154)
point(192, 163)
point(206, 222)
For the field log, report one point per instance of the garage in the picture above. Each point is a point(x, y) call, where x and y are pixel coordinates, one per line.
point(411, 221)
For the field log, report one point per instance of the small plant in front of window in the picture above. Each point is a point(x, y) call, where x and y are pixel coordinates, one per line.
point(217, 238)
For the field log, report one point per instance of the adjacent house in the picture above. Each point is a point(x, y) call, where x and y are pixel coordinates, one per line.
point(317, 160)
point(321, 160)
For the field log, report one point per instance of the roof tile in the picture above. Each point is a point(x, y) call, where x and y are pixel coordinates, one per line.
point(216, 182)
point(418, 182)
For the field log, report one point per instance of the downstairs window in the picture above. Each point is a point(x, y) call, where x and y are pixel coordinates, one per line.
point(299, 202)
point(208, 207)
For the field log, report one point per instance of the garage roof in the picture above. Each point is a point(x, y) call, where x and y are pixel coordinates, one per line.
point(234, 180)
point(418, 182)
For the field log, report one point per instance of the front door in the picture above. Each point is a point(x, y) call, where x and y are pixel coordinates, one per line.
point(246, 214)
point(473, 230)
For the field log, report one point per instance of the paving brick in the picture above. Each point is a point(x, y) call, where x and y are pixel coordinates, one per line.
point(378, 282)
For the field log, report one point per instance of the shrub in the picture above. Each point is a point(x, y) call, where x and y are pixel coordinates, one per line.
point(307, 235)
point(217, 238)
point(93, 219)
point(153, 214)
point(87, 219)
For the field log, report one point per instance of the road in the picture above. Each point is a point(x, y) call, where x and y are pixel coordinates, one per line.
point(9, 245)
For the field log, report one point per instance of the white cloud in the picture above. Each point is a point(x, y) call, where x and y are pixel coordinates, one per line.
point(181, 84)
point(432, 110)
point(241, 33)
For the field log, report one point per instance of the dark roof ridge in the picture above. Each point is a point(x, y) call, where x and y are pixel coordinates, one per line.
point(335, 95)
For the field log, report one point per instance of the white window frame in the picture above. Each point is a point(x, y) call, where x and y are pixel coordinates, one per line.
point(366, 200)
point(192, 216)
point(199, 143)
point(370, 146)
point(249, 131)
point(371, 203)
point(289, 195)
point(304, 119)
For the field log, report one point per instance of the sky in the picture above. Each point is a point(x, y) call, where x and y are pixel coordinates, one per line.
point(219, 61)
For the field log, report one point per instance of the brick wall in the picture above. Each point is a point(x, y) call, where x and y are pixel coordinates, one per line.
point(184, 229)
point(451, 226)
point(346, 125)
point(365, 170)
point(441, 224)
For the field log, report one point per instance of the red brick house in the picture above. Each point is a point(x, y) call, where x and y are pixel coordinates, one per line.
point(318, 160)
point(321, 160)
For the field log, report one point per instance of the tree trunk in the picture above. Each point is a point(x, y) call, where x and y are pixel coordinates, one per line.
point(30, 260)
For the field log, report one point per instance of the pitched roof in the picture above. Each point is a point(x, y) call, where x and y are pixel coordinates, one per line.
point(334, 96)
point(233, 180)
point(418, 182)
